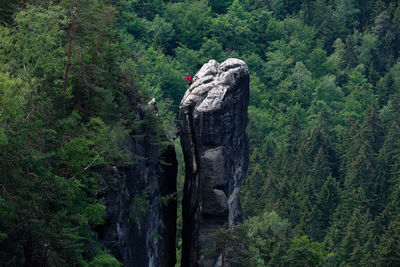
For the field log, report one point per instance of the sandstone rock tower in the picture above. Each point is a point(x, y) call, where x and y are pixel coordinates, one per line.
point(213, 116)
point(140, 221)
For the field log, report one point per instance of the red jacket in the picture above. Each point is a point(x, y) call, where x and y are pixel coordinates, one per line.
point(189, 78)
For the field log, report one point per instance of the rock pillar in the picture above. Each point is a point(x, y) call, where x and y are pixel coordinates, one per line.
point(213, 116)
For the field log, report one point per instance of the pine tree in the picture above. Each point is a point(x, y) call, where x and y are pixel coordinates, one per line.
point(388, 160)
point(389, 250)
point(371, 129)
point(327, 201)
point(347, 147)
point(369, 249)
point(363, 174)
point(293, 136)
point(350, 248)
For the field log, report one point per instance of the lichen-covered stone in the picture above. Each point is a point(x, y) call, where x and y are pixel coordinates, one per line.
point(213, 115)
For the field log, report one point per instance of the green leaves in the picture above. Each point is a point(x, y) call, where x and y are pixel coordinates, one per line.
point(79, 155)
point(95, 213)
point(161, 33)
point(35, 46)
point(105, 259)
point(191, 21)
point(98, 145)
point(263, 241)
point(12, 103)
point(303, 252)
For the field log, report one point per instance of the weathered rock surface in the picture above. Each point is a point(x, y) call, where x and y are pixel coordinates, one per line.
point(141, 205)
point(213, 121)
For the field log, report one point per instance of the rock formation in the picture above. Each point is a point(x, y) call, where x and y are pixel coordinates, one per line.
point(141, 203)
point(213, 116)
point(152, 106)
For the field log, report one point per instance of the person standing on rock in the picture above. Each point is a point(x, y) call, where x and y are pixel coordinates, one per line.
point(189, 79)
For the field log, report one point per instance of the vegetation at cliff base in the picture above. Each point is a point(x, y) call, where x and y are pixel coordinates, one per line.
point(323, 185)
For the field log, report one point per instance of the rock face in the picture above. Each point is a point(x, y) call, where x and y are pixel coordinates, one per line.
point(213, 120)
point(141, 205)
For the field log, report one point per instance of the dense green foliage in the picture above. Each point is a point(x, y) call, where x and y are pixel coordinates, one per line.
point(323, 182)
point(68, 97)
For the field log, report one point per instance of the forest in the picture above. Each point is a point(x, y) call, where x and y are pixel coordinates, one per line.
point(323, 184)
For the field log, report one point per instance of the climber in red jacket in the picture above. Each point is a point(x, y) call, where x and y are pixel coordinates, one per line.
point(189, 79)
